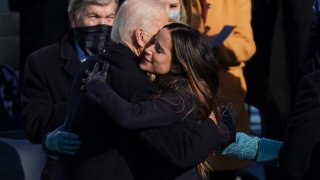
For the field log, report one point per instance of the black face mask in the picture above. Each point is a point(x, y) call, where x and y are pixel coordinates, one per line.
point(93, 39)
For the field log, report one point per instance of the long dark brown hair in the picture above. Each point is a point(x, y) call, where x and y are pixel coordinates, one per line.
point(195, 72)
point(196, 69)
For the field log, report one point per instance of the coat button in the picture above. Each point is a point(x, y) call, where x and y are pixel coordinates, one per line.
point(208, 5)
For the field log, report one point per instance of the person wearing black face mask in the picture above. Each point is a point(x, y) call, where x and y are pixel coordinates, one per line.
point(49, 71)
point(93, 39)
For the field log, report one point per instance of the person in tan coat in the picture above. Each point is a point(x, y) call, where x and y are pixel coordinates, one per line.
point(209, 17)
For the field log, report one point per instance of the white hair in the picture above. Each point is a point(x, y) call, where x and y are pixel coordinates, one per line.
point(135, 14)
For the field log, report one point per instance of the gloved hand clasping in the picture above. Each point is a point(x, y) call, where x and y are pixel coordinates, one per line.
point(95, 76)
point(61, 141)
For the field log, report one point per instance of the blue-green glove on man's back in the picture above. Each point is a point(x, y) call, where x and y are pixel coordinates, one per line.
point(60, 141)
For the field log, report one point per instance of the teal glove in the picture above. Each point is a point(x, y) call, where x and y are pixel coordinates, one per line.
point(260, 150)
point(60, 141)
point(268, 152)
point(245, 147)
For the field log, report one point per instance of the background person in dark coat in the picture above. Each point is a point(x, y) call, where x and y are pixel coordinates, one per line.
point(302, 134)
point(300, 155)
point(50, 70)
point(280, 30)
point(107, 151)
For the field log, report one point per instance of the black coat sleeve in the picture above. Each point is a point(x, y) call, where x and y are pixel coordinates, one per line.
point(160, 111)
point(302, 132)
point(40, 113)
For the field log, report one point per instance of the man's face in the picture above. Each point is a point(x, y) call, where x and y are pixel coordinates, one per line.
point(94, 14)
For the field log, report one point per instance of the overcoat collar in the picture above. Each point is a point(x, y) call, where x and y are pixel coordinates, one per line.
point(68, 54)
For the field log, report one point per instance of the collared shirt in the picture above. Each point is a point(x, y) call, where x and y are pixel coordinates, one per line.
point(82, 55)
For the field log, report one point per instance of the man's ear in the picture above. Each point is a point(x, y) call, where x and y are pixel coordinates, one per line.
point(72, 19)
point(140, 37)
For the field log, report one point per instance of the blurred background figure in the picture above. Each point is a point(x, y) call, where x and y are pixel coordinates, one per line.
point(301, 134)
point(176, 10)
point(280, 31)
point(9, 67)
point(302, 129)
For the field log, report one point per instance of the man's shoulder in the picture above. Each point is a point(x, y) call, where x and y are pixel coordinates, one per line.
point(52, 51)
point(120, 51)
point(53, 48)
point(43, 56)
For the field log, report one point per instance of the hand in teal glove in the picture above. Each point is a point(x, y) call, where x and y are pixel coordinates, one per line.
point(260, 150)
point(245, 147)
point(61, 141)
